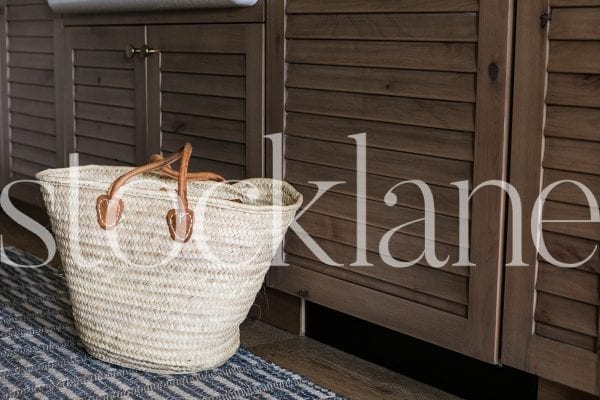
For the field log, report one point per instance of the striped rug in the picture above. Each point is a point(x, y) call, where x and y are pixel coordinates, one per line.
point(41, 358)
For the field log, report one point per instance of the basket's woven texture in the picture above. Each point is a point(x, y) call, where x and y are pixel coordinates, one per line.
point(142, 300)
point(41, 357)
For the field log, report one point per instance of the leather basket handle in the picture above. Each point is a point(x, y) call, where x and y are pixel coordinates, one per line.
point(169, 172)
point(180, 221)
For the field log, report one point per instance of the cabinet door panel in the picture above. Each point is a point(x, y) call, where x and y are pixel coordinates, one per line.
point(205, 86)
point(105, 95)
point(432, 110)
point(28, 133)
point(551, 314)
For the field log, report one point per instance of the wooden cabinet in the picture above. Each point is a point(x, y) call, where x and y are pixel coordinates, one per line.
point(429, 84)
point(551, 314)
point(204, 84)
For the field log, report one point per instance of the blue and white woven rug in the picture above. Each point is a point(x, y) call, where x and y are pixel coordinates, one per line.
point(41, 358)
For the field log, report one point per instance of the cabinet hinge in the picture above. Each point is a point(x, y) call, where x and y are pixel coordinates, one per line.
point(545, 18)
point(493, 71)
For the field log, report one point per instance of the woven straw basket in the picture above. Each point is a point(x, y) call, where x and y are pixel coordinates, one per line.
point(161, 282)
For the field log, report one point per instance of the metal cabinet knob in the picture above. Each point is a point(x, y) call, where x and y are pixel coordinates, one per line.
point(146, 51)
point(143, 51)
point(131, 51)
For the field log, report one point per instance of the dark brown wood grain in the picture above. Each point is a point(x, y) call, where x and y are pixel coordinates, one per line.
point(443, 143)
point(102, 58)
point(108, 150)
point(571, 250)
point(214, 128)
point(566, 336)
point(574, 3)
point(573, 122)
point(575, 24)
point(574, 56)
point(210, 85)
point(557, 211)
point(567, 314)
point(106, 96)
point(389, 163)
point(548, 390)
point(574, 90)
point(210, 149)
point(436, 283)
point(206, 106)
point(32, 123)
point(203, 63)
point(32, 44)
point(41, 140)
point(109, 78)
point(106, 131)
point(278, 309)
point(380, 6)
point(447, 27)
point(29, 12)
point(401, 110)
point(32, 76)
point(458, 57)
point(578, 285)
point(572, 155)
point(108, 114)
point(31, 29)
point(397, 286)
point(390, 82)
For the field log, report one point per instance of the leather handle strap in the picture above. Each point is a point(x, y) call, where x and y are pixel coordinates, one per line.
point(180, 221)
point(169, 172)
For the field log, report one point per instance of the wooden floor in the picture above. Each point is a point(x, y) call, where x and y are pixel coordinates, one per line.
point(340, 372)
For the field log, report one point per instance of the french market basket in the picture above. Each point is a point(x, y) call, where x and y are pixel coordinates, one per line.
point(163, 265)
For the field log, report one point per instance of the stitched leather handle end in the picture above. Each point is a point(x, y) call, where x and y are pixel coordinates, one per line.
point(109, 211)
point(181, 224)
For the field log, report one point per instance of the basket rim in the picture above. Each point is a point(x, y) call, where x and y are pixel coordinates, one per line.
point(51, 176)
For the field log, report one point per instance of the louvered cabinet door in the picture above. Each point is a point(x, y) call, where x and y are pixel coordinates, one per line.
point(205, 86)
point(428, 84)
point(105, 95)
point(30, 129)
point(551, 314)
